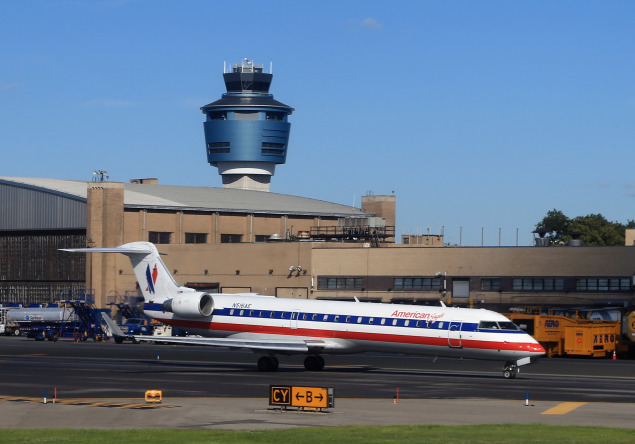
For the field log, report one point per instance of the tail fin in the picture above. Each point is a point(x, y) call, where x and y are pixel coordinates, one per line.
point(155, 281)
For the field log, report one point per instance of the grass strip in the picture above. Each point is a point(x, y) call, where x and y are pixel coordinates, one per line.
point(429, 434)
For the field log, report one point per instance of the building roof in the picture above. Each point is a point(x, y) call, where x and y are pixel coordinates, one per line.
point(172, 197)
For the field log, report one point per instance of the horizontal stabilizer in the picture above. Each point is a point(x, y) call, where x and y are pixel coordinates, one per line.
point(109, 250)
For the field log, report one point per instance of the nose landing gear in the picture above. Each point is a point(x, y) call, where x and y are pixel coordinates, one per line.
point(510, 370)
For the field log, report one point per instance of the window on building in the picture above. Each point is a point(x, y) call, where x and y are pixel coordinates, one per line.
point(416, 283)
point(603, 284)
point(538, 284)
point(195, 238)
point(231, 238)
point(340, 283)
point(159, 237)
point(490, 284)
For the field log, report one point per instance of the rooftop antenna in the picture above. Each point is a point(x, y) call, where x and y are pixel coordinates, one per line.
point(100, 176)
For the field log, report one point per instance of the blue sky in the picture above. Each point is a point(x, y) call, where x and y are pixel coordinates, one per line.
point(477, 114)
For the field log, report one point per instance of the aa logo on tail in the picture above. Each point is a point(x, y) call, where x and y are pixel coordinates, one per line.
point(151, 277)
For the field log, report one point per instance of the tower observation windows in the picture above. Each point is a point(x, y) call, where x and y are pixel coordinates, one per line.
point(279, 117)
point(217, 115)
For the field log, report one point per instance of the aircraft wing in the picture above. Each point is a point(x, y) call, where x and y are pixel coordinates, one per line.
point(275, 345)
point(257, 343)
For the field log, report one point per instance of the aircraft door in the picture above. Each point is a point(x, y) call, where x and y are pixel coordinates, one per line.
point(294, 319)
point(454, 334)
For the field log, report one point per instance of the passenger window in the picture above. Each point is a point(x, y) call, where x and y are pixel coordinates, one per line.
point(231, 312)
point(294, 315)
point(242, 312)
point(359, 320)
point(314, 317)
point(326, 318)
point(348, 319)
point(370, 320)
point(394, 322)
point(405, 324)
point(383, 321)
point(337, 318)
point(304, 316)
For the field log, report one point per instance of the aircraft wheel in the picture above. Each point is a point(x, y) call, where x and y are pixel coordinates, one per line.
point(268, 364)
point(314, 363)
point(510, 371)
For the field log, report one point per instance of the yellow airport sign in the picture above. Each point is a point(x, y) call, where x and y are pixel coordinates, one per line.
point(313, 397)
point(279, 395)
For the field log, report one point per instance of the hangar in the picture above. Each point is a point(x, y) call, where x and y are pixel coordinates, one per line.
point(231, 240)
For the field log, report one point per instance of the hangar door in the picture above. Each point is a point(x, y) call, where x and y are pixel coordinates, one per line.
point(461, 288)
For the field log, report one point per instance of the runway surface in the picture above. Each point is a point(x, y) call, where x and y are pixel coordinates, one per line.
point(108, 370)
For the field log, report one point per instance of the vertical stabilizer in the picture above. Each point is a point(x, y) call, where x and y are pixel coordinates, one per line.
point(155, 281)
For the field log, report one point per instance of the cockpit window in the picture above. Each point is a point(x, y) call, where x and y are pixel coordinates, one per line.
point(508, 326)
point(493, 325)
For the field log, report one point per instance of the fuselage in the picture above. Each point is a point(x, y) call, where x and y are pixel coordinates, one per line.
point(353, 327)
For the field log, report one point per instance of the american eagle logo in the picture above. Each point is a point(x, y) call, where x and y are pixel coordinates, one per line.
point(151, 277)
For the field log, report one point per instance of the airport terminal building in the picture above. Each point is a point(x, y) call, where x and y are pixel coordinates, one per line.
point(236, 240)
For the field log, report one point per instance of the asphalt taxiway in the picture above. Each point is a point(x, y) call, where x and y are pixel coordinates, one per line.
point(102, 385)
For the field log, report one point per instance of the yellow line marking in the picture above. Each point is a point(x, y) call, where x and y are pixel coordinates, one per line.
point(564, 408)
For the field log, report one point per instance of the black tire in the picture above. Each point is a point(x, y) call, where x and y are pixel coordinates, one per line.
point(314, 363)
point(268, 364)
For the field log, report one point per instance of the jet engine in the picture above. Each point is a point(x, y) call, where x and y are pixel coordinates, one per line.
point(190, 305)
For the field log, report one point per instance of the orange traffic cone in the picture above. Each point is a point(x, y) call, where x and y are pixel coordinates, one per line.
point(614, 356)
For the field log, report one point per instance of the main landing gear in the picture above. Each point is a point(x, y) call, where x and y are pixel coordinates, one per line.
point(312, 363)
point(268, 364)
point(510, 370)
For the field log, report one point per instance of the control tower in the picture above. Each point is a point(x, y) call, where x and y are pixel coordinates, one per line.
point(246, 131)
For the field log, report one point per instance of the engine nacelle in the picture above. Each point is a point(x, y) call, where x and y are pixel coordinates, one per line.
point(190, 305)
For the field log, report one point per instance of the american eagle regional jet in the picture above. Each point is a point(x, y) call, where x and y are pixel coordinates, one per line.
point(280, 326)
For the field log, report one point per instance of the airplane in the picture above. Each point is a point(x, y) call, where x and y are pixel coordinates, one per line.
point(280, 326)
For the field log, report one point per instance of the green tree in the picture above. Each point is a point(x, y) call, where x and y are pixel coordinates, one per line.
point(594, 229)
point(554, 226)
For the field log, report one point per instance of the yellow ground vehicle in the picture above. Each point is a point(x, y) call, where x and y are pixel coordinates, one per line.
point(564, 335)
